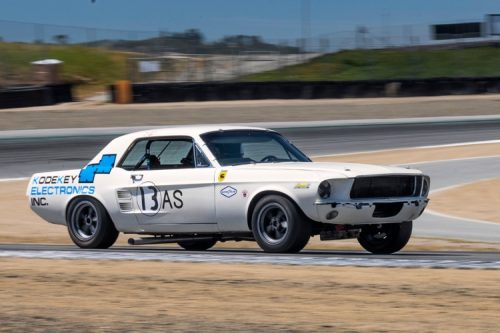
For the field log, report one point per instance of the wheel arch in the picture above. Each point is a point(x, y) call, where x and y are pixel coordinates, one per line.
point(72, 200)
point(264, 193)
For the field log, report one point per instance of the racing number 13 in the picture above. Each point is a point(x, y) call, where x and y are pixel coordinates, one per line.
point(154, 197)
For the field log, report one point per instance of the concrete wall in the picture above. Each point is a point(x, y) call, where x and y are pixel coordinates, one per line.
point(223, 91)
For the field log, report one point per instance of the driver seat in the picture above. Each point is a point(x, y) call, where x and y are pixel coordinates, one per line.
point(153, 162)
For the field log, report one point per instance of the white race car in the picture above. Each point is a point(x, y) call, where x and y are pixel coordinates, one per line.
point(199, 185)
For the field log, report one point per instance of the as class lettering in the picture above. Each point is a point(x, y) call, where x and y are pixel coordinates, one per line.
point(175, 202)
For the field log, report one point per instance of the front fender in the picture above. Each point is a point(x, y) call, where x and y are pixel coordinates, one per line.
point(303, 197)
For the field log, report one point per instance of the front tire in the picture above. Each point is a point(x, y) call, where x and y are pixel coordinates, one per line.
point(278, 226)
point(385, 238)
point(89, 224)
point(197, 245)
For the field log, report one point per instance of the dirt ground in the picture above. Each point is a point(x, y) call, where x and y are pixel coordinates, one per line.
point(484, 196)
point(91, 114)
point(85, 296)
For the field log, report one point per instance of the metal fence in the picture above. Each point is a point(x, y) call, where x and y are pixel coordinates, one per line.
point(198, 67)
point(163, 56)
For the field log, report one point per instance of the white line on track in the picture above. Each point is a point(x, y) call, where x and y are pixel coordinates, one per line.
point(450, 160)
point(470, 143)
point(298, 260)
point(13, 179)
point(466, 219)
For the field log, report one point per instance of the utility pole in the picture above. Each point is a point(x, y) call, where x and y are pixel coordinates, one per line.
point(306, 23)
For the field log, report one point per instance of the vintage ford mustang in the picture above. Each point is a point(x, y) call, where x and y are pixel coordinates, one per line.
point(199, 185)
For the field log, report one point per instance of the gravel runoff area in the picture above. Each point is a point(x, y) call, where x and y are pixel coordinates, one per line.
point(93, 114)
point(119, 296)
point(458, 200)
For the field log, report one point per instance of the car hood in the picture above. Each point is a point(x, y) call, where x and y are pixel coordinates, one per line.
point(340, 170)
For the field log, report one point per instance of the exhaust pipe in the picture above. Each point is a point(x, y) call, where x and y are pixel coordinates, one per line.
point(164, 240)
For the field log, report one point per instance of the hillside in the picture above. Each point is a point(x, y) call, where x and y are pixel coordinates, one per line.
point(93, 67)
point(391, 64)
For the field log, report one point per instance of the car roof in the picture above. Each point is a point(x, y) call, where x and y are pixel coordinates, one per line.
point(120, 144)
point(188, 130)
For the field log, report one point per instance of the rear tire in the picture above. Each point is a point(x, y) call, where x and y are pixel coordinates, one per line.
point(385, 238)
point(89, 224)
point(278, 225)
point(197, 245)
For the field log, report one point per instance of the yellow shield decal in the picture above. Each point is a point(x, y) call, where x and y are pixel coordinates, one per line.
point(222, 175)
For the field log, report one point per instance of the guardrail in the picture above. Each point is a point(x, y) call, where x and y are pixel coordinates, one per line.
point(26, 96)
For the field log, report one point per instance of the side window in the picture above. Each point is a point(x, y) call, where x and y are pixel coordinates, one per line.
point(162, 153)
point(134, 155)
point(201, 159)
point(172, 153)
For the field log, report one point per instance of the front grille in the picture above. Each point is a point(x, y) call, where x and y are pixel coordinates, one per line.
point(386, 187)
point(387, 209)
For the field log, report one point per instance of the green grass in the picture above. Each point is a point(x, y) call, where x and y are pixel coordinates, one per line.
point(93, 67)
point(391, 64)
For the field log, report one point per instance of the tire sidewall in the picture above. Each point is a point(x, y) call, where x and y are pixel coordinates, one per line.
point(398, 237)
point(105, 229)
point(297, 227)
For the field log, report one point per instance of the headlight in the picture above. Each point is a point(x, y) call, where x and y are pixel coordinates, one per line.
point(426, 186)
point(324, 190)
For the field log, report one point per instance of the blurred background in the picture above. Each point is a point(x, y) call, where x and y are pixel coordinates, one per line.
point(91, 57)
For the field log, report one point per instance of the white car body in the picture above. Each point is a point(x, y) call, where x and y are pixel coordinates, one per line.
point(216, 199)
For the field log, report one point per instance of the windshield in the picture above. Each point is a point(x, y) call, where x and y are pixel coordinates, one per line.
point(251, 146)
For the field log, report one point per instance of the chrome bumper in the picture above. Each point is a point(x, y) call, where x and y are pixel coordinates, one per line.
point(376, 211)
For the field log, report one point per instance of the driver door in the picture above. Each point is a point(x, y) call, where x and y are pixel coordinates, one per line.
point(172, 184)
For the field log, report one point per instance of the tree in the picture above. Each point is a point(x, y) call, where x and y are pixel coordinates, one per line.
point(61, 39)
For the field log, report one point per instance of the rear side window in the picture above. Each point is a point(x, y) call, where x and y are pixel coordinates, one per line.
point(161, 153)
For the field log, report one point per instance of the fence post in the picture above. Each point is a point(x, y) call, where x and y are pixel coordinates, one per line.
point(123, 92)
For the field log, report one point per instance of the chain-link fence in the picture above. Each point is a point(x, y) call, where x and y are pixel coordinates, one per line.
point(158, 56)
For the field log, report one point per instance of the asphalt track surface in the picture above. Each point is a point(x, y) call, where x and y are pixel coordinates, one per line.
point(22, 157)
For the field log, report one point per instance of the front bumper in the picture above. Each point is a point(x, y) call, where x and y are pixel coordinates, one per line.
point(371, 211)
